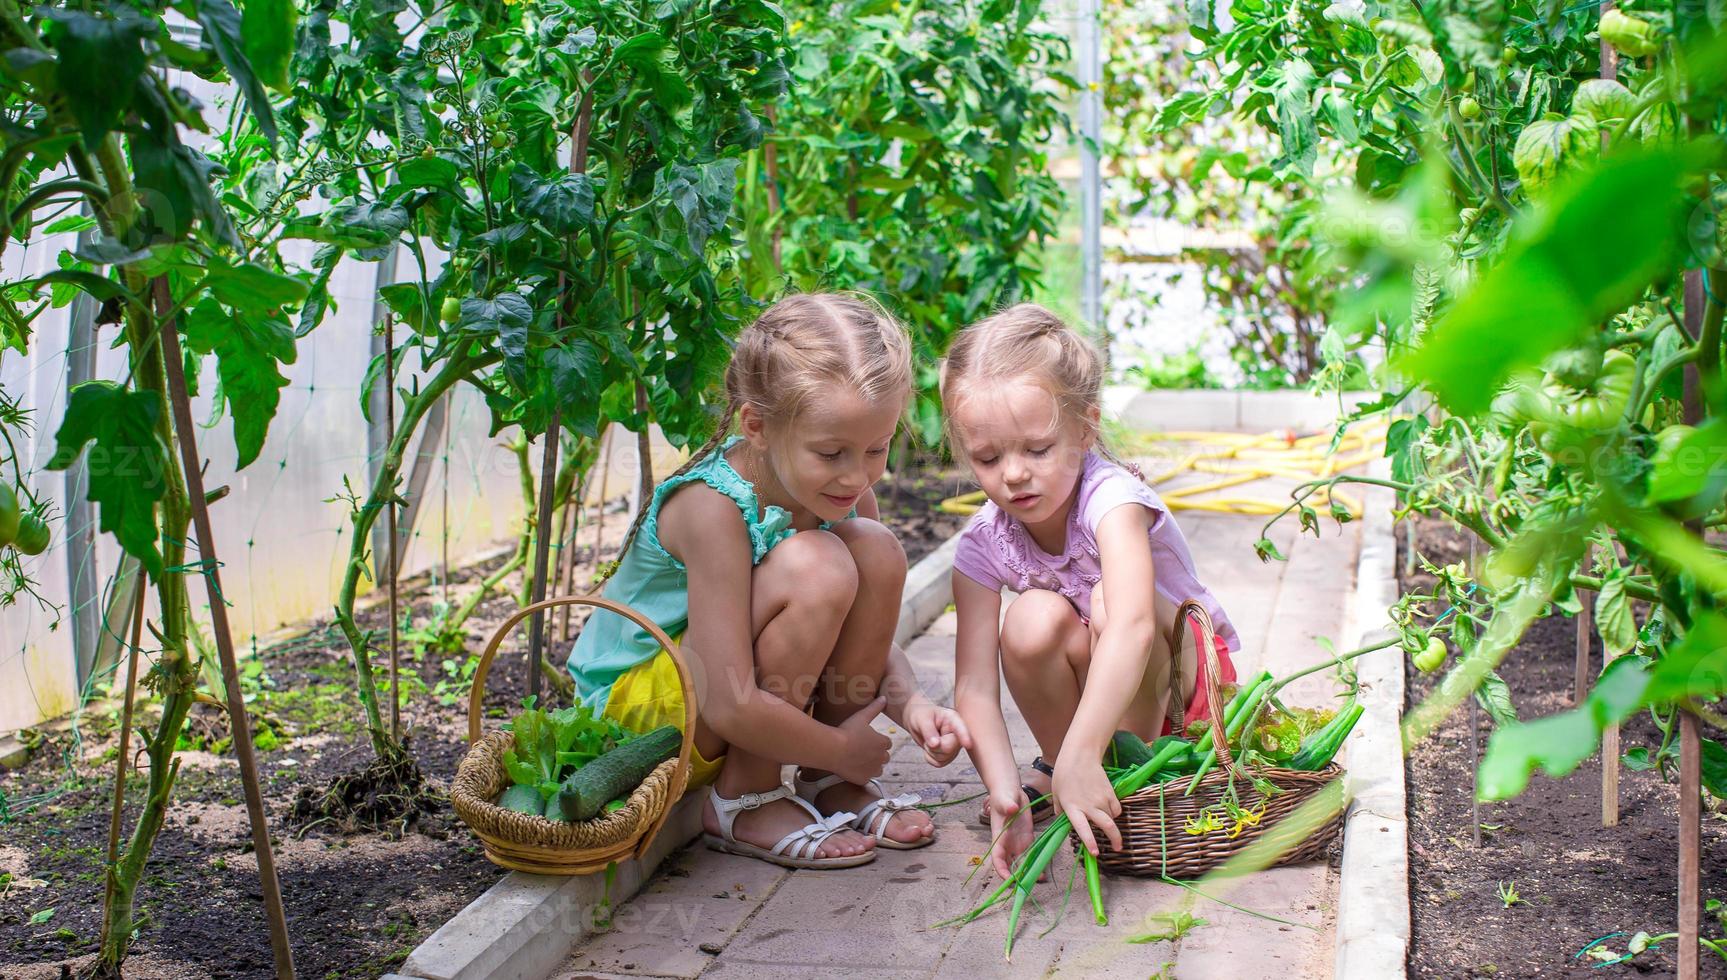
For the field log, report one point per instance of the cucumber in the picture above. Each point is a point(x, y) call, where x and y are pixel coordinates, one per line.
point(617, 773)
point(1185, 760)
point(1127, 750)
point(553, 810)
point(523, 799)
point(1322, 746)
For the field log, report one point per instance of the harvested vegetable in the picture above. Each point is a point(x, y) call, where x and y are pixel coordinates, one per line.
point(1322, 746)
point(550, 745)
point(523, 799)
point(617, 772)
point(1036, 858)
point(1126, 750)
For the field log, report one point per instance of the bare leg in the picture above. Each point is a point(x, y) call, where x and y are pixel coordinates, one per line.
point(1045, 651)
point(854, 675)
point(1150, 706)
point(799, 597)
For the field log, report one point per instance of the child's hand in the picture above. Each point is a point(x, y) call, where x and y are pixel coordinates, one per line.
point(940, 731)
point(866, 750)
point(1083, 792)
point(1012, 841)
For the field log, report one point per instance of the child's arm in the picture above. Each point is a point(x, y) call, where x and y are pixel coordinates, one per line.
point(705, 531)
point(1117, 671)
point(977, 695)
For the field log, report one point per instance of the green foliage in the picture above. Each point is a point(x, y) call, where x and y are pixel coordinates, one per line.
point(910, 161)
point(550, 743)
point(1559, 742)
point(1512, 229)
point(128, 480)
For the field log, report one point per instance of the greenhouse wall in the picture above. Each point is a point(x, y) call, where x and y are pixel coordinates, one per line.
point(282, 532)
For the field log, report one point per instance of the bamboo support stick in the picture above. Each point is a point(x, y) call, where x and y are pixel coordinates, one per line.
point(390, 564)
point(239, 723)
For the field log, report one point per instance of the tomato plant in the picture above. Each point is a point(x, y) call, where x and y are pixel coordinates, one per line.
point(910, 159)
point(92, 119)
point(1464, 164)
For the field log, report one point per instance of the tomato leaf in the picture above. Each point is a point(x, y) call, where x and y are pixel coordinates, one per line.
point(248, 350)
point(126, 466)
point(1694, 667)
point(99, 61)
point(1613, 619)
point(267, 30)
point(224, 30)
point(1555, 282)
point(1558, 743)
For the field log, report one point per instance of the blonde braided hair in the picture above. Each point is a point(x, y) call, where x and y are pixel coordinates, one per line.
point(796, 348)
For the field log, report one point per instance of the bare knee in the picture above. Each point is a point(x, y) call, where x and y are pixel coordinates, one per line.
point(1036, 625)
point(818, 568)
point(876, 551)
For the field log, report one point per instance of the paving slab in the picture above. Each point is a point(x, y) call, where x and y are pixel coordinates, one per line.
point(879, 919)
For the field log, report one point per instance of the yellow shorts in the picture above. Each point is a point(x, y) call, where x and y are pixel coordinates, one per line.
point(647, 696)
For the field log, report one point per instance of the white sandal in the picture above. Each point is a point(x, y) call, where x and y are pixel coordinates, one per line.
point(797, 849)
point(875, 817)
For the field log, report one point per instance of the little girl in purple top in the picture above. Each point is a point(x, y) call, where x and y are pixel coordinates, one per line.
point(1073, 533)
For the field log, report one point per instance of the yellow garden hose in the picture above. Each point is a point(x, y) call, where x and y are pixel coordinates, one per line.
point(1237, 458)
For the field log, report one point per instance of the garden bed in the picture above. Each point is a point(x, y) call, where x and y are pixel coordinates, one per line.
point(1577, 880)
point(368, 898)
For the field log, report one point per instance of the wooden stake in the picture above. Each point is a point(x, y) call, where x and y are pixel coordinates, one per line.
point(1690, 842)
point(1585, 630)
point(542, 548)
point(644, 452)
point(1474, 742)
point(390, 530)
point(1690, 870)
point(444, 557)
point(125, 740)
point(239, 723)
point(579, 134)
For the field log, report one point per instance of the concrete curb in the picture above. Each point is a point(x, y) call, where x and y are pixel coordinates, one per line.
point(525, 926)
point(1227, 410)
point(1373, 922)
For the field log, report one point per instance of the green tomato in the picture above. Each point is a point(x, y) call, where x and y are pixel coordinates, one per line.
point(1668, 440)
point(437, 106)
point(33, 535)
point(451, 310)
point(1508, 56)
point(1432, 657)
point(500, 141)
point(1629, 35)
point(9, 514)
point(1545, 145)
point(1602, 408)
point(1468, 108)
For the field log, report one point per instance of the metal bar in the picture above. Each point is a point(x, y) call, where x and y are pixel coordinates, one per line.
point(1090, 177)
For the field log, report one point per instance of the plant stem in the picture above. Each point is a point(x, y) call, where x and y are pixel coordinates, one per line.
point(455, 369)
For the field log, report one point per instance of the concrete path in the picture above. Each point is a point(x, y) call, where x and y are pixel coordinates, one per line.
point(713, 915)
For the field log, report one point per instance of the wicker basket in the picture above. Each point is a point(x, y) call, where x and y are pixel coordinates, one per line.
point(537, 845)
point(1154, 821)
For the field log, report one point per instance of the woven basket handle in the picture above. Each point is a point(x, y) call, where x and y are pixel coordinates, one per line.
point(1191, 608)
point(681, 776)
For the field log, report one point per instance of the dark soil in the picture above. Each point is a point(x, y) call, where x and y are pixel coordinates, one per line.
point(1577, 880)
point(908, 505)
point(357, 903)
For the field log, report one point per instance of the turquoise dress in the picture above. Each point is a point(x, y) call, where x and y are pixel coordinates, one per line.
point(655, 584)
